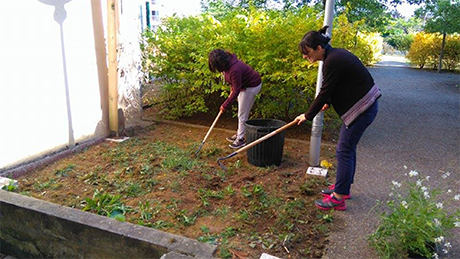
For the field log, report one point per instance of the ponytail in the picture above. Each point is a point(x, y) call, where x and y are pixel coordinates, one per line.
point(313, 39)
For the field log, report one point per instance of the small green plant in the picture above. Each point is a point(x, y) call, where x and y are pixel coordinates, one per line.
point(310, 185)
point(50, 184)
point(133, 189)
point(415, 220)
point(11, 187)
point(229, 191)
point(238, 164)
point(145, 211)
point(222, 211)
point(327, 217)
point(159, 224)
point(213, 151)
point(106, 204)
point(185, 219)
point(146, 170)
point(207, 237)
point(65, 171)
point(205, 194)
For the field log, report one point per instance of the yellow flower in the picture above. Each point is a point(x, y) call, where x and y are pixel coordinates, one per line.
point(325, 164)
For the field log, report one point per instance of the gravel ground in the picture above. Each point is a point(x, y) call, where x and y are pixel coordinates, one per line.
point(418, 126)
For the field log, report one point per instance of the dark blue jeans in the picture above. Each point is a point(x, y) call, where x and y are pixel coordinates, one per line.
point(346, 149)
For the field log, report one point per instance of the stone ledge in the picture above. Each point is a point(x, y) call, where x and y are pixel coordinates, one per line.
point(34, 228)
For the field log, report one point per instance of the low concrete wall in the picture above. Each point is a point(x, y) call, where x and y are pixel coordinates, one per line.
point(32, 228)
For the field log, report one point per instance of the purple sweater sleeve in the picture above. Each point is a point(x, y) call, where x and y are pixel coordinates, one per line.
point(236, 85)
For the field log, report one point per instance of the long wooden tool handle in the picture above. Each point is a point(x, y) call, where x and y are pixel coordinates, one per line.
point(292, 123)
point(212, 126)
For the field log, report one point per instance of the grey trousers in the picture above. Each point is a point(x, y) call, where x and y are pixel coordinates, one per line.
point(245, 101)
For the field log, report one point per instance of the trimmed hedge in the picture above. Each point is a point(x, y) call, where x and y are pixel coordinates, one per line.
point(425, 50)
point(267, 40)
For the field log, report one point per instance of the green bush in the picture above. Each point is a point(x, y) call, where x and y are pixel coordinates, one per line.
point(400, 41)
point(266, 40)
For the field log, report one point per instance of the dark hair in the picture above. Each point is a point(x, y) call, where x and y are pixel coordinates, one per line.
point(219, 60)
point(314, 38)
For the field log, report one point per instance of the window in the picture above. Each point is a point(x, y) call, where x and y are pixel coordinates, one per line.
point(156, 15)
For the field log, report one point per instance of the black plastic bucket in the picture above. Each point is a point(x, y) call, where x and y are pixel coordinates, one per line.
point(270, 151)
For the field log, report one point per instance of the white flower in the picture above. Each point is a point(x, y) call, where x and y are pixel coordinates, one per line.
point(448, 245)
point(437, 222)
point(426, 195)
point(449, 191)
point(435, 256)
point(419, 182)
point(427, 178)
point(457, 224)
point(439, 239)
point(457, 197)
point(405, 167)
point(439, 205)
point(395, 183)
point(391, 194)
point(424, 188)
point(404, 204)
point(445, 251)
point(413, 173)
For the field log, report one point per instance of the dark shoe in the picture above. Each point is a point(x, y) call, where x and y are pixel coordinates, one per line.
point(330, 190)
point(239, 143)
point(331, 202)
point(231, 139)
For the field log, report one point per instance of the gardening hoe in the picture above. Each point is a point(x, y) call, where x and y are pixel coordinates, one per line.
point(294, 122)
point(209, 132)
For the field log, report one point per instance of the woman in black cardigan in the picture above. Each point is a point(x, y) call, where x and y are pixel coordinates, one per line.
point(349, 87)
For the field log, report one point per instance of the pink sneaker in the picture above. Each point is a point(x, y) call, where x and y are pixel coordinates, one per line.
point(331, 202)
point(330, 190)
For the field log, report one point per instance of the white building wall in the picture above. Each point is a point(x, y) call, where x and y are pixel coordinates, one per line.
point(52, 82)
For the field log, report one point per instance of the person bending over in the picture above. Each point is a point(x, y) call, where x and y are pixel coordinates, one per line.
point(245, 84)
point(349, 87)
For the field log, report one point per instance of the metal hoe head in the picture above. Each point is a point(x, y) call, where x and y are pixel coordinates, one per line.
point(223, 158)
point(199, 148)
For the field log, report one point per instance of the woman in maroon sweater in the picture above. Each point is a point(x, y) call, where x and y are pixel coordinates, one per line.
point(349, 87)
point(245, 85)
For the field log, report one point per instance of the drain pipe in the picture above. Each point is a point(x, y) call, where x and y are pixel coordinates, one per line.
point(112, 11)
point(317, 126)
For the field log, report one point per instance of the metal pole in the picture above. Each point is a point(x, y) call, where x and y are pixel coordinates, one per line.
point(317, 126)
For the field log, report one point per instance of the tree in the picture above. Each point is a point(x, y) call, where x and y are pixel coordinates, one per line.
point(400, 32)
point(441, 16)
point(375, 13)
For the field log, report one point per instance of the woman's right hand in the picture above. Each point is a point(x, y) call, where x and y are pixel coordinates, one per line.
point(325, 107)
point(301, 118)
point(222, 109)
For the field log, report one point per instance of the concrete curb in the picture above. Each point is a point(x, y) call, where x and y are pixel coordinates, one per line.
point(34, 228)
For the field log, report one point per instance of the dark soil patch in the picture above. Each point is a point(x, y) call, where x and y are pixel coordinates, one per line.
point(153, 179)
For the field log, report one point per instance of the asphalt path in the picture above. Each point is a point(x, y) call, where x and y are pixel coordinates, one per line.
point(417, 128)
